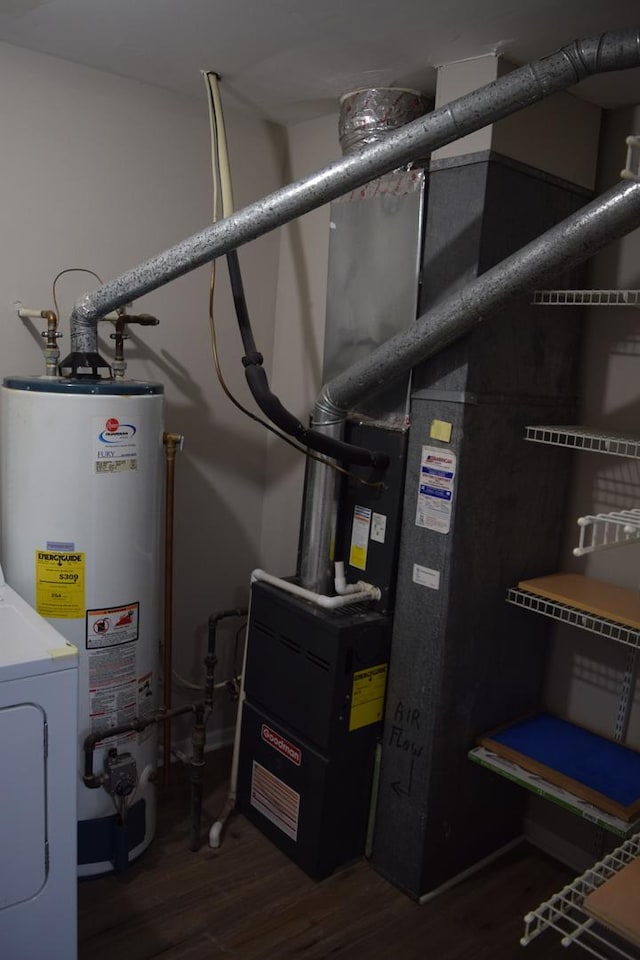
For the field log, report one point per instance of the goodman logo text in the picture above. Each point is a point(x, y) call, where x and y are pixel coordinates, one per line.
point(281, 745)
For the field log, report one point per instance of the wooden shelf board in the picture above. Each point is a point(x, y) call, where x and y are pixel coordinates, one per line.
point(592, 596)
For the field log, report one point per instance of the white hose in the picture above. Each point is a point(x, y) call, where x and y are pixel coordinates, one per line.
point(222, 151)
point(215, 833)
point(220, 158)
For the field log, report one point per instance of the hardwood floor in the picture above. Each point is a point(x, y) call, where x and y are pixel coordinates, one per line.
point(247, 901)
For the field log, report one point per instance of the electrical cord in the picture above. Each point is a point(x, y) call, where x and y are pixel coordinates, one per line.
point(61, 274)
point(213, 127)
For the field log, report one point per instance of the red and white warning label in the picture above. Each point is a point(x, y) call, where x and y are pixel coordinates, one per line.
point(112, 626)
point(275, 800)
point(113, 686)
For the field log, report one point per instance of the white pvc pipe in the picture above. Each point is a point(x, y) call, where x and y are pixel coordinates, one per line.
point(340, 582)
point(365, 591)
point(26, 314)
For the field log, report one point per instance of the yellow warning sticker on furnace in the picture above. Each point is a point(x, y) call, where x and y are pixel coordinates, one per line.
point(360, 537)
point(367, 696)
point(60, 584)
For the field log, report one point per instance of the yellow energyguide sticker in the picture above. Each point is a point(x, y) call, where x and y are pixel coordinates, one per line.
point(60, 584)
point(367, 696)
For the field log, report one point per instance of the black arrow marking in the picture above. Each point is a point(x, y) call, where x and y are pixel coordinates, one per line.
point(404, 791)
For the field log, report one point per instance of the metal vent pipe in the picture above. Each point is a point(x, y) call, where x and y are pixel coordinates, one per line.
point(565, 245)
point(616, 50)
point(560, 248)
point(368, 116)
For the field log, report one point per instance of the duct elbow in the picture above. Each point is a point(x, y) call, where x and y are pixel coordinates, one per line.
point(326, 412)
point(614, 50)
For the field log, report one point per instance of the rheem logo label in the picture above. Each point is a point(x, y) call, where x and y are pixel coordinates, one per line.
point(281, 745)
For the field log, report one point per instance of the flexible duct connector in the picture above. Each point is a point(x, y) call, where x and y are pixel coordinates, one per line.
point(368, 116)
point(326, 413)
point(618, 50)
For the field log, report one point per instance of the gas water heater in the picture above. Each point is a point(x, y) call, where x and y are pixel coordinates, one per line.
point(81, 463)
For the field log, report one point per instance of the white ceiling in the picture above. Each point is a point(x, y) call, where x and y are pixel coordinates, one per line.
point(289, 60)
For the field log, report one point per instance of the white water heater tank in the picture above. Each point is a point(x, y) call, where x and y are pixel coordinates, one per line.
point(81, 469)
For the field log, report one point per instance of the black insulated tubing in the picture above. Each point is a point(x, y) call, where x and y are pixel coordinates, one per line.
point(242, 311)
point(270, 404)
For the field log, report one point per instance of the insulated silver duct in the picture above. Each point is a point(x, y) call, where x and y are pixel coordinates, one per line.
point(565, 245)
point(368, 116)
point(617, 50)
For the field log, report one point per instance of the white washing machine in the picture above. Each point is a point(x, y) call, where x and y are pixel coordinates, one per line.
point(38, 779)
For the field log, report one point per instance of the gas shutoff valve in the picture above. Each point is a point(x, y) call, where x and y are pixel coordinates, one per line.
point(120, 773)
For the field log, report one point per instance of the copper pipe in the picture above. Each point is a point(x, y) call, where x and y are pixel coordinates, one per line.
point(172, 443)
point(52, 327)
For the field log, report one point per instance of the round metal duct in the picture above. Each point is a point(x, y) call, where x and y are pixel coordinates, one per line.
point(367, 116)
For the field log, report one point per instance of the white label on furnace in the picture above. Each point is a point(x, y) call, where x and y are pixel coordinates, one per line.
point(426, 577)
point(435, 489)
point(378, 527)
point(115, 445)
point(275, 800)
point(360, 537)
